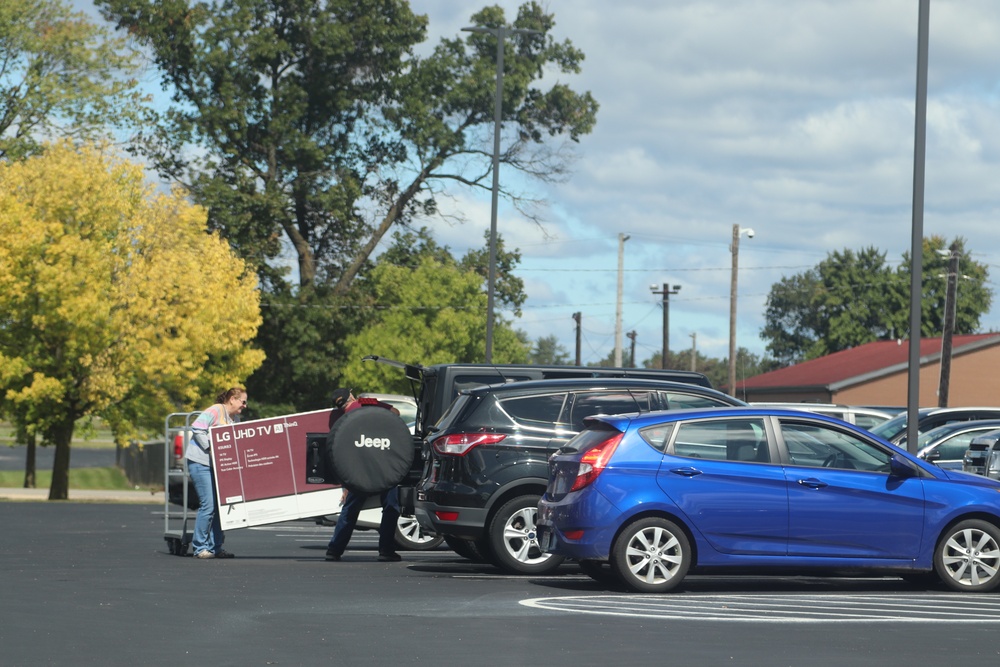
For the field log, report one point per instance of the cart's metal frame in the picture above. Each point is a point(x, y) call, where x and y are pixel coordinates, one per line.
point(176, 532)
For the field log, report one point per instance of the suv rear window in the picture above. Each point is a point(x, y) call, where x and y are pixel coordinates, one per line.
point(540, 409)
point(678, 401)
point(588, 404)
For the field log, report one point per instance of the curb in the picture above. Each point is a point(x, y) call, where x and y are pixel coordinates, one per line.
point(86, 496)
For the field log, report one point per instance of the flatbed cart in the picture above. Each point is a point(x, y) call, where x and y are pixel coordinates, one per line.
point(177, 524)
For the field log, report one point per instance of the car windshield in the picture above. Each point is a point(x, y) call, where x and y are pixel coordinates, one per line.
point(933, 435)
point(890, 429)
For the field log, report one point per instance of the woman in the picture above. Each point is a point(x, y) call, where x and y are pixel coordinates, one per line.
point(208, 537)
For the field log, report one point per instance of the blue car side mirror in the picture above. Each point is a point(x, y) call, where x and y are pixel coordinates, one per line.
point(900, 467)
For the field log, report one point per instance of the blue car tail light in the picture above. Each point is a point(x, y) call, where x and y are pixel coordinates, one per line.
point(593, 462)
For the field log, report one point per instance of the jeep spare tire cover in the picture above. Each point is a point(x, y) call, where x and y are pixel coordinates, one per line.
point(370, 449)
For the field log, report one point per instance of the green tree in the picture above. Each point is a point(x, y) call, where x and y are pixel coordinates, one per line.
point(61, 75)
point(115, 302)
point(314, 123)
point(548, 350)
point(852, 298)
point(428, 314)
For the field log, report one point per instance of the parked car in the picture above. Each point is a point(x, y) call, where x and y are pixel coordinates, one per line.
point(437, 386)
point(894, 430)
point(859, 416)
point(660, 495)
point(407, 405)
point(486, 458)
point(945, 446)
point(983, 455)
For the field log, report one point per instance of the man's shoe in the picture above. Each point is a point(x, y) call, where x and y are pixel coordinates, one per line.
point(332, 556)
point(222, 553)
point(390, 558)
point(204, 553)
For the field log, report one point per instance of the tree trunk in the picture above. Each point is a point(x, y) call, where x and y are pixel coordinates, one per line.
point(62, 435)
point(29, 464)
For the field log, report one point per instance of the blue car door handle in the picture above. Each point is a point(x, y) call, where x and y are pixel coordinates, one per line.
point(686, 472)
point(812, 483)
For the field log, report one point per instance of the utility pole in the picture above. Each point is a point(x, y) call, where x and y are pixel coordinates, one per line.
point(576, 318)
point(622, 238)
point(950, 315)
point(631, 355)
point(735, 250)
point(694, 351)
point(665, 303)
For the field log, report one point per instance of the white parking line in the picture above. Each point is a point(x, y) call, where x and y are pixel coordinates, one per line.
point(779, 608)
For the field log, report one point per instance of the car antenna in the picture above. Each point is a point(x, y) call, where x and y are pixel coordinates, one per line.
point(631, 393)
point(500, 373)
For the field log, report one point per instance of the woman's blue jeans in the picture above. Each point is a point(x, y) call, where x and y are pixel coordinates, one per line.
point(207, 528)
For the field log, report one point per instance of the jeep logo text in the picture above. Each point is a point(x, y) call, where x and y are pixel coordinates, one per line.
point(378, 443)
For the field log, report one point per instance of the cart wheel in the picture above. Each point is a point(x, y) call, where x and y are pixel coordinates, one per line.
point(171, 545)
point(182, 548)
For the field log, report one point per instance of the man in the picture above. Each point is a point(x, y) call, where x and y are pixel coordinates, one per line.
point(352, 503)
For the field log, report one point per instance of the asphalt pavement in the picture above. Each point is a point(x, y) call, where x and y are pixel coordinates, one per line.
point(94, 584)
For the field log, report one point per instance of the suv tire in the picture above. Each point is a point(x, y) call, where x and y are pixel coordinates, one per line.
point(468, 549)
point(411, 537)
point(513, 539)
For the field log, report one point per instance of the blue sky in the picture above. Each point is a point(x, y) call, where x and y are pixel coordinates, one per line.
point(794, 119)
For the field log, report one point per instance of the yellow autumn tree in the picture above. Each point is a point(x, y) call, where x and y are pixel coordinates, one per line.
point(114, 301)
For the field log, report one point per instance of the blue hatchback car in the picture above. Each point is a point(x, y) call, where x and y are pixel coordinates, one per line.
point(662, 494)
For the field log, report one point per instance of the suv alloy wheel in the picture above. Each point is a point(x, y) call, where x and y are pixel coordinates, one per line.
point(514, 541)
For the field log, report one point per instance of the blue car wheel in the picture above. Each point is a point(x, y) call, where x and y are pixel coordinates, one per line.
point(967, 557)
point(651, 556)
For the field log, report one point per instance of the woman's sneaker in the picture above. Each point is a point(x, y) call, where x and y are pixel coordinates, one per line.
point(204, 553)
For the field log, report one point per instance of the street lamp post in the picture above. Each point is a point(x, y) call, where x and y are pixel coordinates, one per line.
point(735, 249)
point(666, 292)
point(501, 34)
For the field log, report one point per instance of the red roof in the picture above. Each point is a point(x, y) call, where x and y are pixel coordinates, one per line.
point(860, 362)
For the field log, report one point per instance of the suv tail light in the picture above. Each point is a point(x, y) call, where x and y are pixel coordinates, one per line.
point(460, 444)
point(593, 462)
point(179, 446)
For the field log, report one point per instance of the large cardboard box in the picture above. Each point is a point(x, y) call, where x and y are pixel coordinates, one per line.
point(260, 471)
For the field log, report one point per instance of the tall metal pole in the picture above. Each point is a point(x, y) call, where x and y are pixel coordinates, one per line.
point(501, 34)
point(917, 230)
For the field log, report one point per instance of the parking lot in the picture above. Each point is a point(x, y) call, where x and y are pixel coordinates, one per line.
point(89, 583)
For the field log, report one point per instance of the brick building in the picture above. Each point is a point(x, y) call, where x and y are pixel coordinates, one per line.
point(877, 374)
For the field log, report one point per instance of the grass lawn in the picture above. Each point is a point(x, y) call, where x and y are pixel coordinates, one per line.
point(79, 478)
point(96, 437)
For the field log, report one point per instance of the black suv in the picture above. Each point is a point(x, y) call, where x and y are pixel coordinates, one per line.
point(486, 459)
point(435, 387)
